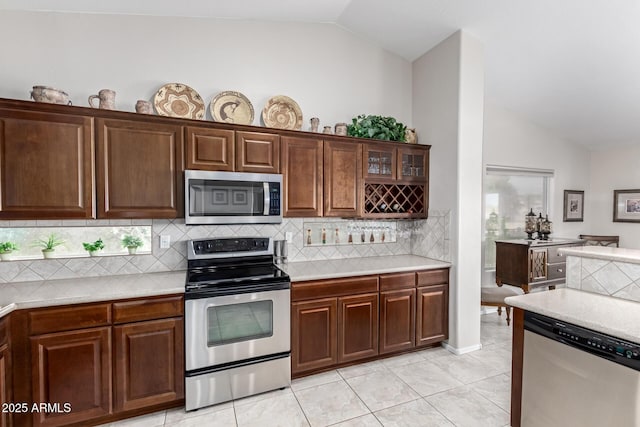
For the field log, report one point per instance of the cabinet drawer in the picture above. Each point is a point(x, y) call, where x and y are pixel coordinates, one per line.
point(433, 277)
point(68, 318)
point(148, 309)
point(556, 271)
point(333, 288)
point(397, 281)
point(555, 257)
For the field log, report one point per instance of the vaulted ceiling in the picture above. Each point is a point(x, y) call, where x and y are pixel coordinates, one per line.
point(570, 66)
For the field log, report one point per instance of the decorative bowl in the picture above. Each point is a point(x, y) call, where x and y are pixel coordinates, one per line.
point(50, 95)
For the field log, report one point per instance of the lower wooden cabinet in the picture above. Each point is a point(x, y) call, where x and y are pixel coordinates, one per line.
point(94, 363)
point(5, 374)
point(72, 368)
point(397, 320)
point(357, 327)
point(340, 321)
point(314, 332)
point(147, 369)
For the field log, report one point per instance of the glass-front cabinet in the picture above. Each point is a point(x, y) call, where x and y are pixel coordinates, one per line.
point(379, 161)
point(412, 164)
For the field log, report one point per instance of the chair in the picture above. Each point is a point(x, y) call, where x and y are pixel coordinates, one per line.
point(494, 296)
point(593, 240)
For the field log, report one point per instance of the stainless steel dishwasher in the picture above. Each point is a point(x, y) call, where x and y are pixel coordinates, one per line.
point(573, 376)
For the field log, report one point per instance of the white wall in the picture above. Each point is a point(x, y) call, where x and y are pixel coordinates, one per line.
point(447, 112)
point(509, 140)
point(329, 72)
point(614, 169)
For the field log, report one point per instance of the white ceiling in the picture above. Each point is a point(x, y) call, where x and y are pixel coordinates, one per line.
point(572, 66)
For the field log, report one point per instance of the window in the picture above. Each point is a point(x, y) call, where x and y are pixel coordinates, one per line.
point(509, 194)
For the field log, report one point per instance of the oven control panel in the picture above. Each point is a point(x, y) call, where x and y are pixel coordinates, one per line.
point(228, 247)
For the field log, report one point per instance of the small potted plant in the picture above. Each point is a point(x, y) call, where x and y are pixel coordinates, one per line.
point(94, 247)
point(6, 250)
point(132, 243)
point(49, 246)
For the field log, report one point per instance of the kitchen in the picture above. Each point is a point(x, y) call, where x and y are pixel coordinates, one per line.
point(320, 51)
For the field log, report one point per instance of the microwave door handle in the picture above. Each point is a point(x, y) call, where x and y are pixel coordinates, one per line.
point(267, 198)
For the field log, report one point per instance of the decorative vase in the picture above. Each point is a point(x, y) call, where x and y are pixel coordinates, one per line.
point(341, 129)
point(410, 136)
point(6, 256)
point(47, 253)
point(132, 250)
point(315, 122)
point(92, 253)
point(327, 129)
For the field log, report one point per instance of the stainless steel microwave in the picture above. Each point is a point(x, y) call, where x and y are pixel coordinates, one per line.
point(232, 198)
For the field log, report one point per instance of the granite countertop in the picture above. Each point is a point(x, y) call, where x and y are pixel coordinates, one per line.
point(348, 267)
point(604, 253)
point(15, 296)
point(613, 316)
point(535, 242)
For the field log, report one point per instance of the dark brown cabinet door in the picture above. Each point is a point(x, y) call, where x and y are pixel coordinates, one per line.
point(46, 165)
point(139, 170)
point(257, 152)
point(397, 320)
point(302, 176)
point(413, 164)
point(210, 149)
point(432, 323)
point(538, 264)
point(313, 334)
point(75, 368)
point(149, 363)
point(342, 172)
point(357, 327)
point(5, 375)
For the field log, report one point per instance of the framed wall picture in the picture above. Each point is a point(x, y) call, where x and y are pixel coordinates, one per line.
point(573, 206)
point(626, 205)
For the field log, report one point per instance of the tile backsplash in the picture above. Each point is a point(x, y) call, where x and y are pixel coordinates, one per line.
point(428, 238)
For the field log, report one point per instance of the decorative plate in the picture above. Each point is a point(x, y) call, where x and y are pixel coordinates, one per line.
point(282, 112)
point(231, 107)
point(179, 100)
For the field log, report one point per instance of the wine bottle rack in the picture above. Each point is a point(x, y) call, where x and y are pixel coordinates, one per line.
point(394, 200)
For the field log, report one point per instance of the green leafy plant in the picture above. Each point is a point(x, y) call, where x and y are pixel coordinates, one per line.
point(129, 241)
point(50, 243)
point(94, 247)
point(7, 247)
point(376, 127)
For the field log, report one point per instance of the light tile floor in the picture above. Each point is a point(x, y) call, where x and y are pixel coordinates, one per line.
point(427, 388)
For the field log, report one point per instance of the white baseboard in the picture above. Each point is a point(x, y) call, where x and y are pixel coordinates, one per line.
point(485, 309)
point(460, 351)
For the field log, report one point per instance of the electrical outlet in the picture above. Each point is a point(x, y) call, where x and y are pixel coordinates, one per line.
point(165, 241)
point(288, 236)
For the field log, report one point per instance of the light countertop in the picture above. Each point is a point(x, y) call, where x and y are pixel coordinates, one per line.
point(613, 316)
point(349, 267)
point(605, 253)
point(14, 296)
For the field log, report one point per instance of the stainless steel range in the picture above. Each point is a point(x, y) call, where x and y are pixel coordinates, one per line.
point(237, 321)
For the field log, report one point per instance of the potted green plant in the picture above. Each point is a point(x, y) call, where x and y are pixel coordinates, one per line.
point(94, 247)
point(6, 250)
point(49, 246)
point(132, 243)
point(376, 127)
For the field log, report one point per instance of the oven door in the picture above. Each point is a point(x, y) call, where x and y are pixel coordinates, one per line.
point(231, 328)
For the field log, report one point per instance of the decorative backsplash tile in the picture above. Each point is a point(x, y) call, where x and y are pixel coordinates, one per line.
point(616, 279)
point(428, 238)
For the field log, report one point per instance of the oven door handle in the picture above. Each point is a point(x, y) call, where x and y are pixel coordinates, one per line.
point(235, 290)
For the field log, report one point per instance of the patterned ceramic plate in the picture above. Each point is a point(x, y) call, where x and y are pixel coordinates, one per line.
point(282, 112)
point(179, 100)
point(231, 107)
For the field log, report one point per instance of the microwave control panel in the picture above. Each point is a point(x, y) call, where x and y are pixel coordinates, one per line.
point(274, 198)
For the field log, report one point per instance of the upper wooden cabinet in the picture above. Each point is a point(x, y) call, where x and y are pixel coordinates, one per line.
point(413, 164)
point(46, 165)
point(302, 160)
point(229, 150)
point(210, 149)
point(257, 152)
point(379, 161)
point(139, 169)
point(342, 172)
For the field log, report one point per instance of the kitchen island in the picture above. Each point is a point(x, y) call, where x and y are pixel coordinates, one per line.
point(573, 309)
point(604, 270)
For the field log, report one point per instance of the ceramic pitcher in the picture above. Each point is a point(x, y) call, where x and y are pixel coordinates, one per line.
point(106, 99)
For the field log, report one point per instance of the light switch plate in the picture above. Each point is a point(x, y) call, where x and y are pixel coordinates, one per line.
point(165, 241)
point(288, 236)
